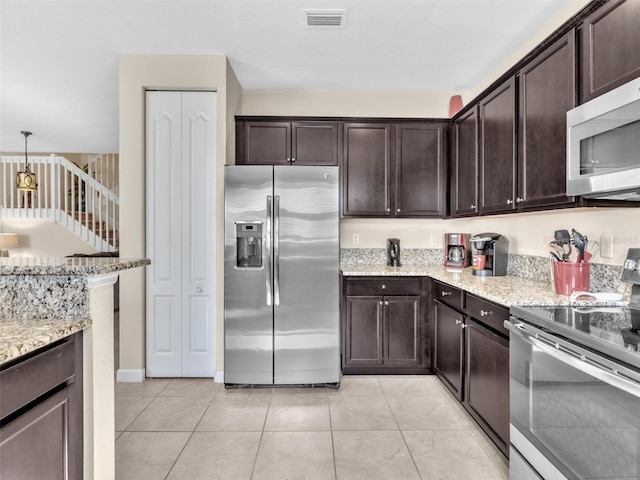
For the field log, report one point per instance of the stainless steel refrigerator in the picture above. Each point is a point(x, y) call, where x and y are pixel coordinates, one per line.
point(281, 278)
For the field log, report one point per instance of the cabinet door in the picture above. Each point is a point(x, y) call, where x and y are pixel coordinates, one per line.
point(448, 347)
point(487, 381)
point(497, 159)
point(419, 170)
point(36, 444)
point(465, 165)
point(609, 40)
point(402, 331)
point(267, 143)
point(546, 92)
point(363, 331)
point(314, 143)
point(366, 169)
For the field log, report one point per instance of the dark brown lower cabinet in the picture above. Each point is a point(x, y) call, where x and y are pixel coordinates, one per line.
point(382, 325)
point(471, 357)
point(41, 414)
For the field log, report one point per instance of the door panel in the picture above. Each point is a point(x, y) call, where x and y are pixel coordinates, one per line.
point(402, 331)
point(198, 231)
point(314, 143)
point(306, 320)
point(465, 187)
point(248, 319)
point(363, 334)
point(163, 226)
point(268, 143)
point(448, 348)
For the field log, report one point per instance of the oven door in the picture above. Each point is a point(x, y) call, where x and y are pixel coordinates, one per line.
point(574, 414)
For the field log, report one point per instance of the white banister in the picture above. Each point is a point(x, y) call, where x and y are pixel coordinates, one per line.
point(66, 195)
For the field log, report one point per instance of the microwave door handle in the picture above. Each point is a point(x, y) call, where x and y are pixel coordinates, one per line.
point(592, 364)
point(267, 248)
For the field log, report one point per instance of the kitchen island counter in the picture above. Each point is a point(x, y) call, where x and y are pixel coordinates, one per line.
point(505, 290)
point(19, 337)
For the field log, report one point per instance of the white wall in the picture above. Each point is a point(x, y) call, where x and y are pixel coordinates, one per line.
point(42, 238)
point(180, 72)
point(528, 233)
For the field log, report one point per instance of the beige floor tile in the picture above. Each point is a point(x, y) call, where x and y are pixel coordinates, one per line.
point(297, 413)
point(191, 387)
point(361, 413)
point(128, 408)
point(117, 435)
point(171, 414)
point(242, 391)
point(360, 387)
point(450, 454)
point(409, 386)
point(295, 456)
point(312, 391)
point(217, 456)
point(373, 456)
point(236, 414)
point(151, 387)
point(424, 413)
point(147, 455)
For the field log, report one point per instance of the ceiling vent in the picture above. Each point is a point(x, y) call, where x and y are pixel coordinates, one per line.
point(324, 18)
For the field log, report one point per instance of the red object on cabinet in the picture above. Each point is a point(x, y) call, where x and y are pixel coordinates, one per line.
point(455, 105)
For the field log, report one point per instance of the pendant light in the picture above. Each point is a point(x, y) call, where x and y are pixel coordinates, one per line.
point(26, 181)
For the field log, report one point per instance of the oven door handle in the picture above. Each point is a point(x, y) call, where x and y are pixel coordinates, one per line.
point(586, 361)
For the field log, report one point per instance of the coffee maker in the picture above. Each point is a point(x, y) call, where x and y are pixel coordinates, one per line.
point(489, 253)
point(457, 252)
point(393, 252)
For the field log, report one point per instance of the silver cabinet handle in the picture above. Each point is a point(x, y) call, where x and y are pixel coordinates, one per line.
point(198, 290)
point(276, 250)
point(288, 159)
point(473, 207)
point(388, 209)
point(384, 286)
point(445, 294)
point(484, 313)
point(386, 302)
point(509, 201)
point(458, 322)
point(267, 245)
point(380, 302)
point(518, 199)
point(398, 210)
point(464, 325)
point(293, 159)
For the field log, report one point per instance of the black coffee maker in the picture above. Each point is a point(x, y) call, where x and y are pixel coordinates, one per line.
point(393, 252)
point(489, 254)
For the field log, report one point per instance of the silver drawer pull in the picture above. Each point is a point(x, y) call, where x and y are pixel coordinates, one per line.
point(386, 302)
point(484, 313)
point(445, 294)
point(384, 286)
point(458, 322)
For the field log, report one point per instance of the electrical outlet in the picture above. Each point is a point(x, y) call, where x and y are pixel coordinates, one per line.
point(606, 246)
point(356, 239)
point(434, 239)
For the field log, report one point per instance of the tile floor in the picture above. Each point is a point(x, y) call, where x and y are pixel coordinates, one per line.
point(386, 428)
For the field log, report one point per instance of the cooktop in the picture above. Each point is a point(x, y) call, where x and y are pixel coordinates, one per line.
point(613, 331)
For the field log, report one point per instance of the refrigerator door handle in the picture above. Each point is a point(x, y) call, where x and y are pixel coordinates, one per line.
point(267, 248)
point(276, 250)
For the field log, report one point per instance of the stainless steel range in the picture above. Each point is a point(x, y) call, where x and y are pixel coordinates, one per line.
point(575, 389)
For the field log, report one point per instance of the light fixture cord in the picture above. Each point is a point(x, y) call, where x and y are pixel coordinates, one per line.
point(26, 158)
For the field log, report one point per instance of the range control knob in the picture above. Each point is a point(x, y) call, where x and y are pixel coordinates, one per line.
point(631, 265)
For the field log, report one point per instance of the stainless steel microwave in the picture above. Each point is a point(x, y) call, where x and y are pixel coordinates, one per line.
point(603, 145)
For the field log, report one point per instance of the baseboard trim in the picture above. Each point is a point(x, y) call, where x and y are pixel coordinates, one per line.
point(130, 375)
point(218, 377)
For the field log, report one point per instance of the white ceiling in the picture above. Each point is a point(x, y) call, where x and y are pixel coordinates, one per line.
point(59, 59)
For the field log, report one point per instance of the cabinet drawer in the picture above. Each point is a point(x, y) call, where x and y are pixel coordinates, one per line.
point(486, 312)
point(448, 295)
point(383, 286)
point(26, 381)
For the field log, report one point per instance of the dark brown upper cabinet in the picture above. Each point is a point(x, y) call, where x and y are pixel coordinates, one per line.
point(393, 170)
point(464, 155)
point(609, 48)
point(497, 156)
point(366, 170)
point(269, 142)
point(419, 170)
point(546, 91)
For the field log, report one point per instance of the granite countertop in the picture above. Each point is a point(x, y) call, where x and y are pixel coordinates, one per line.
point(68, 265)
point(19, 337)
point(507, 290)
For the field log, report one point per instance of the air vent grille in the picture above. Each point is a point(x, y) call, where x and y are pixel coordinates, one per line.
point(324, 18)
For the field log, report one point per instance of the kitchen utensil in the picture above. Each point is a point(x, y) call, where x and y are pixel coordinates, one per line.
point(580, 242)
point(563, 250)
point(556, 252)
point(562, 236)
point(598, 296)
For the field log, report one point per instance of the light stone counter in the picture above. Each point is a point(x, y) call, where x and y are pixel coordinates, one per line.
point(506, 290)
point(19, 337)
point(35, 291)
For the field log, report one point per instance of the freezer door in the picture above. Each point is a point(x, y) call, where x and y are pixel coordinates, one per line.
point(306, 275)
point(248, 303)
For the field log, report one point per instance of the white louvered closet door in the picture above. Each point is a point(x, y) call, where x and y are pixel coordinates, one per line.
point(181, 148)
